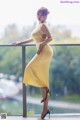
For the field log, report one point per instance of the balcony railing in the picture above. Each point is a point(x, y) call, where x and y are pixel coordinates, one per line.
point(23, 67)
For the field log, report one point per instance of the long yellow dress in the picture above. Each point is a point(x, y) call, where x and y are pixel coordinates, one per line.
point(36, 72)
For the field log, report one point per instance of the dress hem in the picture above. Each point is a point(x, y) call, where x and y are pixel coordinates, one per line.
point(36, 86)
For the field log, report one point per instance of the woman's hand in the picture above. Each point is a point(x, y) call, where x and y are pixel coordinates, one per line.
point(41, 45)
point(15, 43)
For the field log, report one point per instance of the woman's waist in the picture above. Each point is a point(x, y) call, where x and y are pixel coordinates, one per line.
point(46, 46)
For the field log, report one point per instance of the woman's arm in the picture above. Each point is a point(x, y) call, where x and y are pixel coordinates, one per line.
point(47, 38)
point(22, 42)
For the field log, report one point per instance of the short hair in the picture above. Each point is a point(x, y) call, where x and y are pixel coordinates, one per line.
point(43, 11)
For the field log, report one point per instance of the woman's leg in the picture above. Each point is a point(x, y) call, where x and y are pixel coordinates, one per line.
point(45, 103)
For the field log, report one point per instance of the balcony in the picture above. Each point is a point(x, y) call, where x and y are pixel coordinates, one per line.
point(60, 109)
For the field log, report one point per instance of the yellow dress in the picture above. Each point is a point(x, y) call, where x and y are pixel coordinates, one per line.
point(36, 72)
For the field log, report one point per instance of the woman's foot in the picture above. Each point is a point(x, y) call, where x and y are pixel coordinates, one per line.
point(43, 113)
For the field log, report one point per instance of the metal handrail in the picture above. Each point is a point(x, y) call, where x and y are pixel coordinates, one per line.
point(60, 44)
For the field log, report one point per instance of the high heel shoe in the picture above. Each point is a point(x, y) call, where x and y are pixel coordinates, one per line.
point(48, 112)
point(47, 91)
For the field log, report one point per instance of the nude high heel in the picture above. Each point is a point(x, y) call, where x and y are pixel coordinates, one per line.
point(48, 112)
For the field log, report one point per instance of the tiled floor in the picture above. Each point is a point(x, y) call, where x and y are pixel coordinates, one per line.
point(53, 117)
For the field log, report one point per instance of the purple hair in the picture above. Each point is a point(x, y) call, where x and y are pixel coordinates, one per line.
point(43, 11)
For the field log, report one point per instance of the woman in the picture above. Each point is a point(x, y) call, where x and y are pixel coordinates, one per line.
point(37, 70)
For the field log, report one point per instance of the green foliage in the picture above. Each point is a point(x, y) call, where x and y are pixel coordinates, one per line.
point(71, 98)
point(65, 71)
point(10, 60)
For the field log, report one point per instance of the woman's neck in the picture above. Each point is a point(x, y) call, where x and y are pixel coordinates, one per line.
point(42, 22)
